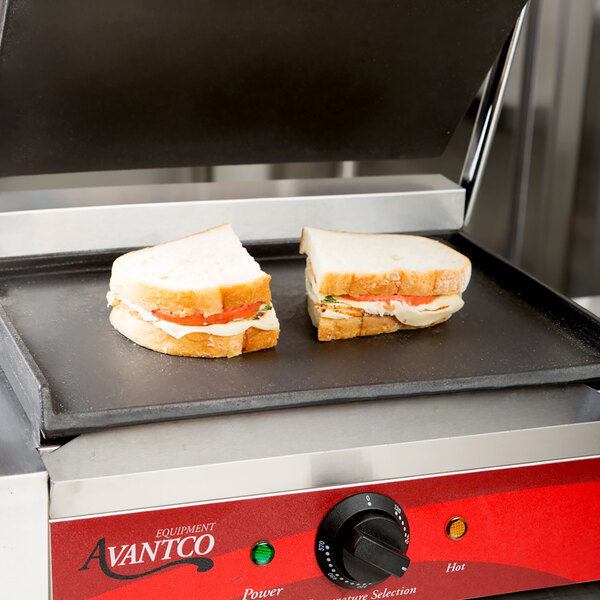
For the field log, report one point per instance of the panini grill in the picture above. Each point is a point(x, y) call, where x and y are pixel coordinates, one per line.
point(143, 474)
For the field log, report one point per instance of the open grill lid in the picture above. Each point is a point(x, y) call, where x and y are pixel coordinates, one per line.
point(131, 84)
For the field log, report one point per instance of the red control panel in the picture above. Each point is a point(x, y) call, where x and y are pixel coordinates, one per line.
point(453, 537)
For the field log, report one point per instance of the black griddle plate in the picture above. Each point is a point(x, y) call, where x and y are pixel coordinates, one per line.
point(73, 372)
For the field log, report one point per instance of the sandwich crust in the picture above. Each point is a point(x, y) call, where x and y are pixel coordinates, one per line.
point(184, 303)
point(406, 283)
point(343, 329)
point(194, 344)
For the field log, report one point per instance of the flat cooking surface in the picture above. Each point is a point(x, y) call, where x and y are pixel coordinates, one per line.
point(512, 331)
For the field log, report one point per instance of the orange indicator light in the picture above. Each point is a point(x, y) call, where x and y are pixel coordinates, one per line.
point(456, 528)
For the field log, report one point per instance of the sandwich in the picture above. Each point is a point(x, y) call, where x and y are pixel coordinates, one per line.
point(360, 284)
point(201, 295)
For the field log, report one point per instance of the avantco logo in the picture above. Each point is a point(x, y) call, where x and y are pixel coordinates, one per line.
point(188, 544)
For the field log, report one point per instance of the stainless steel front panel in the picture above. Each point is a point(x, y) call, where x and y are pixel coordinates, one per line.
point(304, 448)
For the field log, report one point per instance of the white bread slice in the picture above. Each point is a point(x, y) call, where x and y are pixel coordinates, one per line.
point(364, 325)
point(205, 273)
point(356, 264)
point(195, 344)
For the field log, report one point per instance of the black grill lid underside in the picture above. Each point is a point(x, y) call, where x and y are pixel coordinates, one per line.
point(125, 84)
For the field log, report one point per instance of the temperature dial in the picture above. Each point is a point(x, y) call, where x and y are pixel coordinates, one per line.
point(362, 541)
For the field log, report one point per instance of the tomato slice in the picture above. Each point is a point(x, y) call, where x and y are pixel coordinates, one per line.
point(410, 300)
point(240, 312)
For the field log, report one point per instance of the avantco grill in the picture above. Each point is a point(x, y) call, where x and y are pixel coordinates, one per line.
point(455, 462)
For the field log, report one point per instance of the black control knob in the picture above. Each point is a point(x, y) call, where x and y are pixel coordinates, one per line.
point(363, 540)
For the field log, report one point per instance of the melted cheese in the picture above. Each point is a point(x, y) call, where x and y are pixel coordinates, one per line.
point(416, 316)
point(267, 321)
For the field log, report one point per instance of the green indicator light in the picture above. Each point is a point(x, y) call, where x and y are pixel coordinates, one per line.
point(262, 553)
